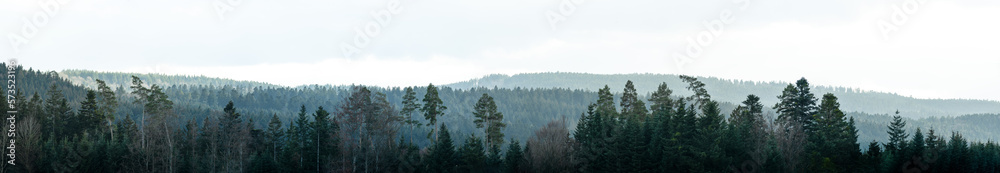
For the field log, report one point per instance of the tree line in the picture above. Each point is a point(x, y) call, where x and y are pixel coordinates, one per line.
point(365, 132)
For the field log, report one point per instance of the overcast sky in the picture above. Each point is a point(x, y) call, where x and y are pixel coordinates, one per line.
point(925, 49)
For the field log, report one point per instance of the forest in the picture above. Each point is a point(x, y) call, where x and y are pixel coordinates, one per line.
point(530, 101)
point(143, 127)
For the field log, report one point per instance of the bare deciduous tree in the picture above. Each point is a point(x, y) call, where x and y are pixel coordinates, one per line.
point(551, 148)
point(790, 137)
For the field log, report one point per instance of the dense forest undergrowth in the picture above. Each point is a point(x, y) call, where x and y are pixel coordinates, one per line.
point(143, 127)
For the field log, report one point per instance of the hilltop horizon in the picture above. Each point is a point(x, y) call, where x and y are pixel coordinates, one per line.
point(460, 84)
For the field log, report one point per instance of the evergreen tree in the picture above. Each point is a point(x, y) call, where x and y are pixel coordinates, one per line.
point(682, 152)
point(324, 141)
point(701, 96)
point(296, 149)
point(410, 106)
point(632, 107)
point(274, 138)
point(873, 157)
point(593, 135)
point(797, 103)
point(433, 107)
point(606, 103)
point(487, 116)
point(708, 137)
point(745, 138)
point(659, 128)
point(897, 135)
point(107, 105)
point(661, 101)
point(442, 153)
point(913, 159)
point(472, 155)
point(514, 158)
point(57, 113)
point(88, 117)
point(957, 159)
point(834, 137)
point(897, 144)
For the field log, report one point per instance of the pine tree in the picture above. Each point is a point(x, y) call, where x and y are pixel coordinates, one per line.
point(442, 153)
point(632, 107)
point(606, 103)
point(514, 158)
point(710, 126)
point(410, 106)
point(661, 101)
point(897, 135)
point(107, 105)
point(593, 134)
point(873, 158)
point(958, 152)
point(57, 113)
point(487, 116)
point(682, 142)
point(472, 155)
point(834, 137)
point(797, 103)
point(433, 107)
point(701, 96)
point(935, 145)
point(88, 117)
point(746, 139)
point(660, 127)
point(897, 144)
point(296, 149)
point(915, 149)
point(274, 137)
point(325, 143)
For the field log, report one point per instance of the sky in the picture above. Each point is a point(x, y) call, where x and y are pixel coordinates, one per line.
point(919, 48)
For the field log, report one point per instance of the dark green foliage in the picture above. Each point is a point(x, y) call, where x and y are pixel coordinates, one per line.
point(514, 158)
point(797, 104)
point(273, 142)
point(700, 96)
point(709, 137)
point(88, 118)
point(409, 107)
point(324, 142)
point(442, 154)
point(677, 134)
point(833, 138)
point(735, 91)
point(57, 113)
point(472, 155)
point(487, 116)
point(632, 107)
point(897, 135)
point(873, 157)
point(433, 106)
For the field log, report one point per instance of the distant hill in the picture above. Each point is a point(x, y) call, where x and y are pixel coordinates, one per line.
point(86, 78)
point(735, 91)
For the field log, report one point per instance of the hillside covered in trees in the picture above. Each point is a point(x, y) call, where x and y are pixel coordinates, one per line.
point(145, 127)
point(730, 90)
point(531, 100)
